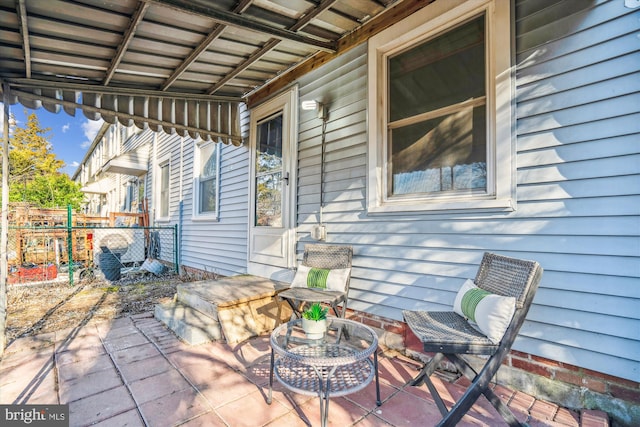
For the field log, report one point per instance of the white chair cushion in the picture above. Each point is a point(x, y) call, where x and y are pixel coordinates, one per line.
point(488, 313)
point(332, 280)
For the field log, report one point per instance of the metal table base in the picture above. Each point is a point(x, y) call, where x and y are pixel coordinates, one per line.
point(321, 368)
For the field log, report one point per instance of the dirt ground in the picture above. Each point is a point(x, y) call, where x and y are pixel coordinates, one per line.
point(42, 308)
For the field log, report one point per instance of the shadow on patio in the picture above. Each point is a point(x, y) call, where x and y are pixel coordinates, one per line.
point(133, 371)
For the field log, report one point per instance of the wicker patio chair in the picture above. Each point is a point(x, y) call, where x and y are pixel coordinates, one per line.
point(449, 335)
point(331, 259)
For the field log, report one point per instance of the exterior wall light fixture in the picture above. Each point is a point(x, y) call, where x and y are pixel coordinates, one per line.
point(311, 105)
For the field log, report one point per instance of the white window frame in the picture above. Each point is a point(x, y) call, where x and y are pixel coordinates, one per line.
point(132, 189)
point(165, 161)
point(129, 188)
point(431, 21)
point(197, 215)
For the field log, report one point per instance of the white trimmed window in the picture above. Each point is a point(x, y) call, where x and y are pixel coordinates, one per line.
point(440, 95)
point(133, 194)
point(163, 189)
point(207, 180)
point(129, 191)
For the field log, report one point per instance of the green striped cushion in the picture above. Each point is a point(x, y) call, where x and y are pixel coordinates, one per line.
point(321, 278)
point(317, 278)
point(488, 313)
point(470, 301)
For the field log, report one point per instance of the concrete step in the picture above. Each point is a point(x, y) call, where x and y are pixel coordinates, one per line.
point(237, 307)
point(197, 295)
point(209, 296)
point(191, 325)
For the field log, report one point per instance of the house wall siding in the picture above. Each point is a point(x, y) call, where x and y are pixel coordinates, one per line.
point(220, 246)
point(577, 98)
point(578, 114)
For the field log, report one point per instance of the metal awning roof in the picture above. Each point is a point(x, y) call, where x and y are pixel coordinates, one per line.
point(183, 65)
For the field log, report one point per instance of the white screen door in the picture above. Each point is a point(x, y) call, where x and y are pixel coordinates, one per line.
point(273, 135)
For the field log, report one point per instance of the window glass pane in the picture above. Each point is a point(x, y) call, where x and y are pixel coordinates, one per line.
point(269, 200)
point(208, 178)
point(207, 195)
point(439, 72)
point(445, 151)
point(443, 154)
point(270, 137)
point(164, 190)
point(141, 194)
point(208, 162)
point(128, 198)
point(269, 173)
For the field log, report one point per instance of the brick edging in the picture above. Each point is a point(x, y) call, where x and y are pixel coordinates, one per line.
point(581, 379)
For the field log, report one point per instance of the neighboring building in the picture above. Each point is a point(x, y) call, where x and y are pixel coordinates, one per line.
point(113, 172)
point(526, 145)
point(183, 183)
point(202, 187)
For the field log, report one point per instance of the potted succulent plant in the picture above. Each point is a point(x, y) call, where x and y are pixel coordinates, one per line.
point(314, 321)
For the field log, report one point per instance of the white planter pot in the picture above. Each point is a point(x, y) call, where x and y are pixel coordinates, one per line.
point(314, 329)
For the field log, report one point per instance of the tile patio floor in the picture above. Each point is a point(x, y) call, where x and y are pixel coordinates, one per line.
point(135, 372)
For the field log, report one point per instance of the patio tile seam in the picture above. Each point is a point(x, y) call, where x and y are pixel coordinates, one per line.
point(195, 417)
point(60, 400)
point(111, 415)
point(396, 386)
point(376, 407)
point(174, 366)
point(88, 395)
point(124, 381)
point(38, 379)
point(510, 401)
point(368, 411)
point(375, 411)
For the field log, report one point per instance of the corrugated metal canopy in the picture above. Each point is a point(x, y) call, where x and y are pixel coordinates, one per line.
point(183, 65)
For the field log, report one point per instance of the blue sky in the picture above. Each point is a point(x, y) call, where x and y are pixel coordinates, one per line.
point(69, 136)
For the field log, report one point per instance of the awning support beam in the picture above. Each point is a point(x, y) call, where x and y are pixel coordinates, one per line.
point(271, 44)
point(268, 46)
point(21, 9)
point(203, 46)
point(126, 40)
point(239, 21)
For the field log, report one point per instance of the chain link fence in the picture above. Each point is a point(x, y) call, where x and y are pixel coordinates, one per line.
point(38, 254)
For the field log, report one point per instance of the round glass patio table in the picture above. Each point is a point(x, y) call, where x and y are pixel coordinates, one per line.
point(343, 361)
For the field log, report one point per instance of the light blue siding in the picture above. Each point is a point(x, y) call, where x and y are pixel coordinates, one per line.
point(209, 245)
point(578, 190)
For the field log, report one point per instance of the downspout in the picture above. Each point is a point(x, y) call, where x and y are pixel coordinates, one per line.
point(181, 176)
point(119, 196)
point(178, 231)
point(4, 220)
point(322, 157)
point(320, 231)
point(154, 177)
point(178, 237)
